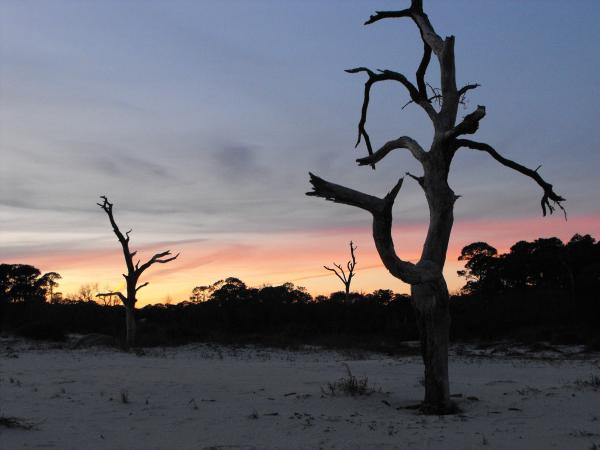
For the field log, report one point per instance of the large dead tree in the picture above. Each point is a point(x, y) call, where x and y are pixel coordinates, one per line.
point(339, 271)
point(134, 272)
point(428, 287)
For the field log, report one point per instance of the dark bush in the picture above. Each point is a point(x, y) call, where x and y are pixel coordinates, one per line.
point(42, 331)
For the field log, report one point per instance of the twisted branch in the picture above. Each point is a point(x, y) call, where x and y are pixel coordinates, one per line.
point(381, 209)
point(402, 142)
point(416, 13)
point(549, 194)
point(157, 258)
point(386, 75)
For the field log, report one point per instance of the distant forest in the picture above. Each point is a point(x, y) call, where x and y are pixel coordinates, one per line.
point(543, 290)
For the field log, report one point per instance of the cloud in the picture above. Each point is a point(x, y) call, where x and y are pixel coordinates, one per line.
point(238, 162)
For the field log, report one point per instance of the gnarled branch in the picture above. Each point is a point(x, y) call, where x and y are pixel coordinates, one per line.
point(341, 275)
point(157, 258)
point(423, 69)
point(416, 13)
point(402, 142)
point(386, 75)
point(549, 194)
point(381, 209)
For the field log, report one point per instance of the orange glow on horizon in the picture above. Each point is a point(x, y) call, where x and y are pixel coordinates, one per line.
point(293, 256)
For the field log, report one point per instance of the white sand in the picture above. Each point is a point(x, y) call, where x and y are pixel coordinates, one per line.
point(203, 397)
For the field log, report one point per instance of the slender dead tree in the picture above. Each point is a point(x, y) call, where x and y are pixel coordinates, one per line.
point(134, 272)
point(341, 274)
point(428, 288)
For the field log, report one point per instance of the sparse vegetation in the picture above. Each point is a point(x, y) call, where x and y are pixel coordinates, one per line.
point(350, 385)
point(528, 390)
point(484, 440)
point(593, 381)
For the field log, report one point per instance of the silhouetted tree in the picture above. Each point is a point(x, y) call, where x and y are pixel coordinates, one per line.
point(134, 272)
point(87, 292)
point(481, 268)
point(583, 256)
point(346, 279)
point(22, 283)
point(381, 296)
point(49, 281)
point(229, 289)
point(428, 287)
point(200, 294)
point(286, 293)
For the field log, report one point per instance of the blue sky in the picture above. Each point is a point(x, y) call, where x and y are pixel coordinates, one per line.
point(201, 119)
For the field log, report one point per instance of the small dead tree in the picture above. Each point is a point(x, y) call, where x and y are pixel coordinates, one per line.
point(429, 292)
point(134, 272)
point(341, 274)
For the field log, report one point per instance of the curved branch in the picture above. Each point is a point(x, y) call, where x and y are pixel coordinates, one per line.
point(422, 69)
point(386, 75)
point(416, 13)
point(549, 194)
point(442, 48)
point(381, 209)
point(158, 258)
point(142, 285)
point(402, 142)
point(463, 90)
point(342, 277)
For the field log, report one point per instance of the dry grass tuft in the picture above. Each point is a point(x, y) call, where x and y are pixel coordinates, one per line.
point(593, 381)
point(349, 385)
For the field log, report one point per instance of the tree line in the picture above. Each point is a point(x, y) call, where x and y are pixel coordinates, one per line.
point(539, 290)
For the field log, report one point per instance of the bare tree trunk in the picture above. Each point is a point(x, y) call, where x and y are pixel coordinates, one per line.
point(431, 299)
point(130, 326)
point(431, 304)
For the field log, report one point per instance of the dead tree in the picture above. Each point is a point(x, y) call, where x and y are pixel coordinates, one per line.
point(428, 288)
point(341, 274)
point(134, 272)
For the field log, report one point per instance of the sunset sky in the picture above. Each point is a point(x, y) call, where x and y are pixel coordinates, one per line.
point(200, 120)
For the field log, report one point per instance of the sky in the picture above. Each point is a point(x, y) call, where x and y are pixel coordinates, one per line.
point(201, 120)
